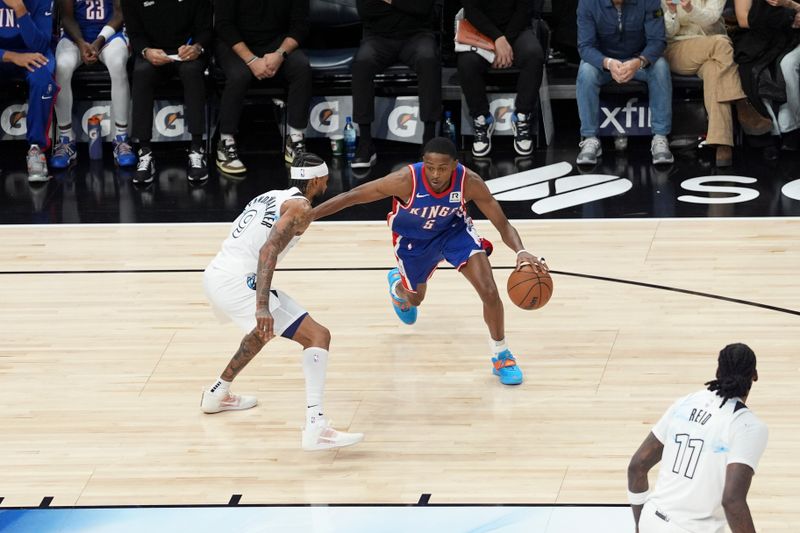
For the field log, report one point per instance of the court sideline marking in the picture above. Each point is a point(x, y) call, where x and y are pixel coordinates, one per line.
point(368, 269)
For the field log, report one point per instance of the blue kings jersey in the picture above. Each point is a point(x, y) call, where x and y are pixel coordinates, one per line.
point(92, 15)
point(428, 214)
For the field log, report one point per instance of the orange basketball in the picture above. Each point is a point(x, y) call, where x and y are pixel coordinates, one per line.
point(530, 289)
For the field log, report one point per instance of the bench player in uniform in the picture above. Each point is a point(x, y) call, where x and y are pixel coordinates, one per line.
point(430, 224)
point(238, 282)
point(709, 444)
point(92, 32)
point(25, 28)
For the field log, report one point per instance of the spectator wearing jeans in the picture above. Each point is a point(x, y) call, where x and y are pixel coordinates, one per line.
point(622, 40)
point(698, 44)
point(259, 40)
point(395, 30)
point(506, 22)
point(169, 38)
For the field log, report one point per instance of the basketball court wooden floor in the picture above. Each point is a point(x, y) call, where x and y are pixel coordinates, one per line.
point(107, 340)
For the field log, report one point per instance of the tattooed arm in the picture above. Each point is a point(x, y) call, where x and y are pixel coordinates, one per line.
point(294, 220)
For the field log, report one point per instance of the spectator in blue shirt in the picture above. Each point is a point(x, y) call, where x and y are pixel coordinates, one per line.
point(25, 27)
point(622, 40)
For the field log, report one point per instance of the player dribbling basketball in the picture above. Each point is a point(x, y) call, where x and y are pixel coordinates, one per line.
point(430, 224)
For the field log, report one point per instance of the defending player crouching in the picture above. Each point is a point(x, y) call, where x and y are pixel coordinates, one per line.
point(238, 282)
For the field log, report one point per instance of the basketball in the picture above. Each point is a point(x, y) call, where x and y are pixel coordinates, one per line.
point(529, 289)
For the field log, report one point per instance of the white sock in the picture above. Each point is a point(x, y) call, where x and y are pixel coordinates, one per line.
point(221, 387)
point(121, 130)
point(498, 347)
point(66, 132)
point(295, 134)
point(315, 365)
point(226, 138)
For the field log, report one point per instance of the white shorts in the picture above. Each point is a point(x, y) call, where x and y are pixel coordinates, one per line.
point(233, 299)
point(650, 522)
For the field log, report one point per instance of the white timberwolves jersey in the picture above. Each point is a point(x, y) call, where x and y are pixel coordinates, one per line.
point(249, 232)
point(700, 440)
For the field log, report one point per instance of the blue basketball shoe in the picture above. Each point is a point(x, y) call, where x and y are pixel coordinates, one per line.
point(405, 311)
point(505, 367)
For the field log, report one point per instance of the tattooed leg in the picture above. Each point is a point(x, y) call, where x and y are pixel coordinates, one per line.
point(251, 345)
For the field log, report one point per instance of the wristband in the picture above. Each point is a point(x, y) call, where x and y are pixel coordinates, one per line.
point(523, 250)
point(251, 60)
point(144, 52)
point(638, 498)
point(107, 32)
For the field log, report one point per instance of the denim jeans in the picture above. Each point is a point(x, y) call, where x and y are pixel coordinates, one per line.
point(659, 86)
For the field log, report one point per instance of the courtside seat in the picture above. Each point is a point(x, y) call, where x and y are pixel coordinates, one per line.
point(332, 46)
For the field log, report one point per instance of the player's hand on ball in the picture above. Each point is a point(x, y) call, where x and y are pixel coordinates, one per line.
point(525, 258)
point(264, 324)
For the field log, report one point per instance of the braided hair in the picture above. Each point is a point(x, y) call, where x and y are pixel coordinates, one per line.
point(736, 367)
point(304, 159)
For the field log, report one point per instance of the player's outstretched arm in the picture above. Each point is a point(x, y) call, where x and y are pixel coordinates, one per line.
point(477, 191)
point(646, 457)
point(734, 498)
point(398, 183)
point(295, 219)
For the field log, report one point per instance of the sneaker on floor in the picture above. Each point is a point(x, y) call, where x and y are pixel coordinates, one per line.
point(198, 171)
point(591, 149)
point(123, 153)
point(523, 140)
point(37, 165)
point(505, 367)
point(405, 311)
point(64, 154)
point(215, 403)
point(321, 436)
point(365, 155)
point(483, 126)
point(293, 148)
point(659, 149)
point(145, 167)
point(228, 158)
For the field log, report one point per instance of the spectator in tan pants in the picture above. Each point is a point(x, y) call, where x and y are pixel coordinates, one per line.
point(698, 44)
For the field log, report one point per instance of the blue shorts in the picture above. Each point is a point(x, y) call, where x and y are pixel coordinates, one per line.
point(418, 259)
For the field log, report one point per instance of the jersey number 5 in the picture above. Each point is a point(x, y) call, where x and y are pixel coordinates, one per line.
point(688, 455)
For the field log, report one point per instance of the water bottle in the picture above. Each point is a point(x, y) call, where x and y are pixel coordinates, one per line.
point(620, 142)
point(93, 128)
point(449, 128)
point(349, 138)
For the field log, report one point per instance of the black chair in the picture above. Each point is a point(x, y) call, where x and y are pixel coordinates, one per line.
point(334, 36)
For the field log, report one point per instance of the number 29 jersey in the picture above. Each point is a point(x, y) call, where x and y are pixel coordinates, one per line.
point(701, 438)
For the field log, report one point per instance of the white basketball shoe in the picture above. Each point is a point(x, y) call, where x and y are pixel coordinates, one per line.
point(321, 436)
point(215, 402)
